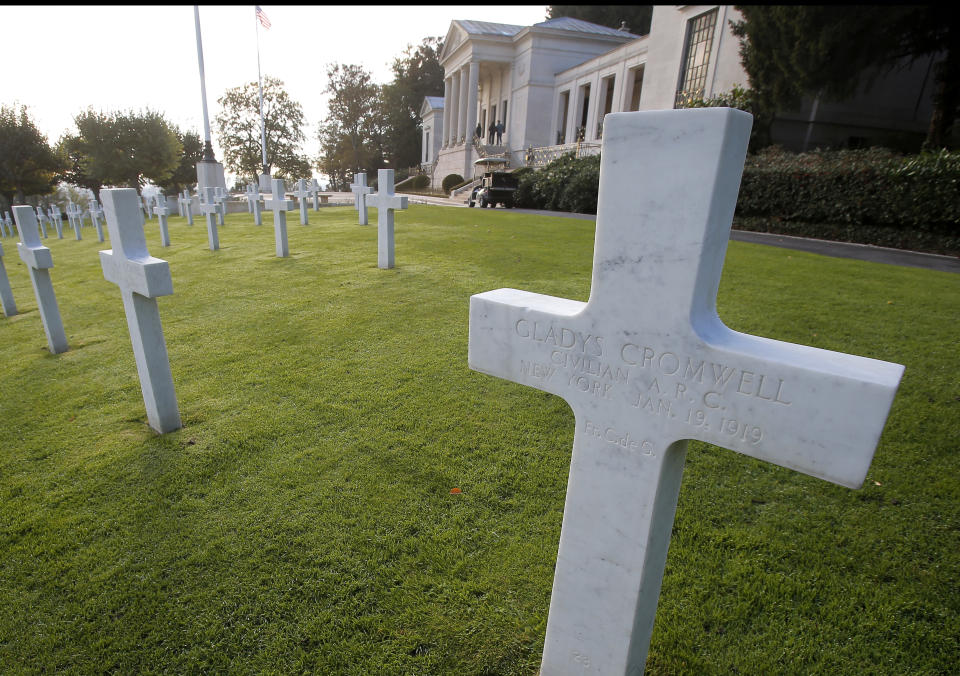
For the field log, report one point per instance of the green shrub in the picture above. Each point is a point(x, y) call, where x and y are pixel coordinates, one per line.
point(451, 180)
point(566, 184)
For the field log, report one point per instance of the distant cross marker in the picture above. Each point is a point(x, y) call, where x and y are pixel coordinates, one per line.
point(141, 278)
point(646, 364)
point(220, 198)
point(386, 202)
point(57, 221)
point(360, 190)
point(38, 261)
point(6, 225)
point(280, 206)
point(42, 220)
point(96, 213)
point(253, 202)
point(145, 205)
point(302, 193)
point(186, 204)
point(209, 208)
point(73, 212)
point(6, 293)
point(314, 191)
point(161, 211)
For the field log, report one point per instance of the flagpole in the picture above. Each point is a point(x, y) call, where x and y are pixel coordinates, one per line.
point(263, 126)
point(208, 146)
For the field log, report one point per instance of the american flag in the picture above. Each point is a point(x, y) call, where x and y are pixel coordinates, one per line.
point(264, 21)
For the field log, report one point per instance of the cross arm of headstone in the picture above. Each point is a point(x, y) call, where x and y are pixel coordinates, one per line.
point(128, 264)
point(31, 250)
point(382, 200)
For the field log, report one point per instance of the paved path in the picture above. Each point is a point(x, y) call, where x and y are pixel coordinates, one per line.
point(863, 252)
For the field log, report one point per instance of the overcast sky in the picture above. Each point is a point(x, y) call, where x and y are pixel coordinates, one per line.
point(59, 60)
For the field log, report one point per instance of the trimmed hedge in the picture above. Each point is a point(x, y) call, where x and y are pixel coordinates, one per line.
point(449, 181)
point(870, 196)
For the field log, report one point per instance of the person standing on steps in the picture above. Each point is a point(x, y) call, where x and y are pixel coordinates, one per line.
point(499, 132)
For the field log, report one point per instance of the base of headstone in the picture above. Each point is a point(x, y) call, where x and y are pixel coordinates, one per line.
point(210, 175)
point(264, 183)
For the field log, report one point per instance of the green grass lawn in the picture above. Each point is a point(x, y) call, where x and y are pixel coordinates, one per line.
point(302, 520)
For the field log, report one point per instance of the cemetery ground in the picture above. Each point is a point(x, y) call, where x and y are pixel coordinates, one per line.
point(347, 497)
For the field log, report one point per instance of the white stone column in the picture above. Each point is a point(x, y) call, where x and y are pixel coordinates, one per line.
point(454, 107)
point(462, 108)
point(446, 112)
point(472, 82)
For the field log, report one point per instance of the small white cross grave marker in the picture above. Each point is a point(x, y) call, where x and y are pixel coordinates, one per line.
point(6, 293)
point(253, 197)
point(280, 206)
point(220, 198)
point(145, 205)
point(186, 204)
point(646, 364)
point(96, 213)
point(5, 225)
point(57, 221)
point(141, 278)
point(73, 211)
point(161, 210)
point(386, 202)
point(38, 261)
point(208, 207)
point(314, 191)
point(42, 220)
point(302, 193)
point(360, 190)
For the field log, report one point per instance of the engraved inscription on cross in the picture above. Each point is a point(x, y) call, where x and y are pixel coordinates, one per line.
point(360, 190)
point(646, 364)
point(386, 201)
point(38, 260)
point(141, 278)
point(302, 193)
point(280, 206)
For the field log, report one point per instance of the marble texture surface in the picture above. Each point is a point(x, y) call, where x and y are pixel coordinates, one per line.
point(38, 260)
point(141, 278)
point(386, 202)
point(646, 364)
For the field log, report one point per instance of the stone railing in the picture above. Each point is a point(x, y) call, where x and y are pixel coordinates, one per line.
point(544, 155)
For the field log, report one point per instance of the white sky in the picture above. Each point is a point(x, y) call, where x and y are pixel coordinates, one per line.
point(60, 60)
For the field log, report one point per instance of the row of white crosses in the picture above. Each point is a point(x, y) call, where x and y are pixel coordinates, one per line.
point(141, 278)
point(646, 364)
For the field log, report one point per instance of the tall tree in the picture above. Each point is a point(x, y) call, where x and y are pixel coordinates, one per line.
point(238, 129)
point(831, 50)
point(27, 163)
point(637, 17)
point(185, 173)
point(416, 74)
point(351, 134)
point(120, 149)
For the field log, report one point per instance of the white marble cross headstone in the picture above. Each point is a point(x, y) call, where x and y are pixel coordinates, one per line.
point(6, 293)
point(646, 364)
point(5, 225)
point(220, 198)
point(208, 207)
point(42, 220)
point(38, 261)
point(96, 213)
point(302, 193)
point(314, 191)
point(161, 210)
point(141, 278)
point(57, 220)
point(186, 203)
point(77, 220)
point(251, 194)
point(145, 205)
point(386, 202)
point(253, 197)
point(360, 190)
point(280, 206)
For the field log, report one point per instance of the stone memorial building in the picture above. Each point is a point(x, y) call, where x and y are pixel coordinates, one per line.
point(551, 84)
